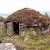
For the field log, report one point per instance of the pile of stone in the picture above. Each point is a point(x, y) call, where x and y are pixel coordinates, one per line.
point(7, 46)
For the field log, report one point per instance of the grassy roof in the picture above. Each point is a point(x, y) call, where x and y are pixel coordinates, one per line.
point(28, 16)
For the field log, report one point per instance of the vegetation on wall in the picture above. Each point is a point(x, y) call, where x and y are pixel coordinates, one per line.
point(28, 16)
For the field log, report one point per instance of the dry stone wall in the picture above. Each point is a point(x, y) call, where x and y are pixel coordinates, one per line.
point(10, 28)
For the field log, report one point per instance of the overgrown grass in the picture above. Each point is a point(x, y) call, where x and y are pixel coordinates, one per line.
point(38, 42)
point(29, 41)
point(2, 33)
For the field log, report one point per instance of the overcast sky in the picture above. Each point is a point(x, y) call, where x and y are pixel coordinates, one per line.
point(10, 6)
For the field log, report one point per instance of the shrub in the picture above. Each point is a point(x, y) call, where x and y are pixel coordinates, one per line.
point(30, 36)
point(48, 48)
point(41, 42)
point(2, 33)
point(1, 19)
point(41, 48)
point(48, 37)
point(48, 42)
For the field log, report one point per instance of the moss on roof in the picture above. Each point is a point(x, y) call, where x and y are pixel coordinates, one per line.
point(28, 16)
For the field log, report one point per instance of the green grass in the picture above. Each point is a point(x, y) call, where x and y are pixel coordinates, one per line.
point(2, 33)
point(40, 42)
point(42, 48)
point(30, 41)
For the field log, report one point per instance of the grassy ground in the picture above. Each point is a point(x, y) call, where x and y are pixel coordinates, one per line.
point(2, 33)
point(27, 42)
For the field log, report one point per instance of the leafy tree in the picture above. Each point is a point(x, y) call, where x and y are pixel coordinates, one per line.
point(1, 19)
point(46, 14)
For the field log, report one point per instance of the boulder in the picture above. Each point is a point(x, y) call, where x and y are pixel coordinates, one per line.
point(7, 46)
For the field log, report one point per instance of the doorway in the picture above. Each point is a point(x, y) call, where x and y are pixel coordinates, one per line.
point(16, 28)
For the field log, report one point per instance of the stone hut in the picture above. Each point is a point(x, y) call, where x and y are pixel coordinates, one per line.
point(25, 18)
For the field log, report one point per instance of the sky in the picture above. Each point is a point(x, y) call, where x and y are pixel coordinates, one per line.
point(10, 6)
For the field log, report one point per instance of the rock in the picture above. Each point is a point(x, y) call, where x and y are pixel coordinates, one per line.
point(7, 46)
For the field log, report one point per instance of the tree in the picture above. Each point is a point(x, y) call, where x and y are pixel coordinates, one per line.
point(1, 19)
point(46, 14)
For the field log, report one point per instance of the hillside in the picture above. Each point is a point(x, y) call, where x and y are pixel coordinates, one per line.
point(1, 19)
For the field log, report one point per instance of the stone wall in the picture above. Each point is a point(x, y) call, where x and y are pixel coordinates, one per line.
point(10, 28)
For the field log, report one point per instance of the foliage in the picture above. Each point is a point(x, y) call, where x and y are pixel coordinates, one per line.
point(1, 19)
point(42, 48)
point(46, 14)
point(28, 16)
point(2, 33)
point(32, 42)
point(30, 36)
